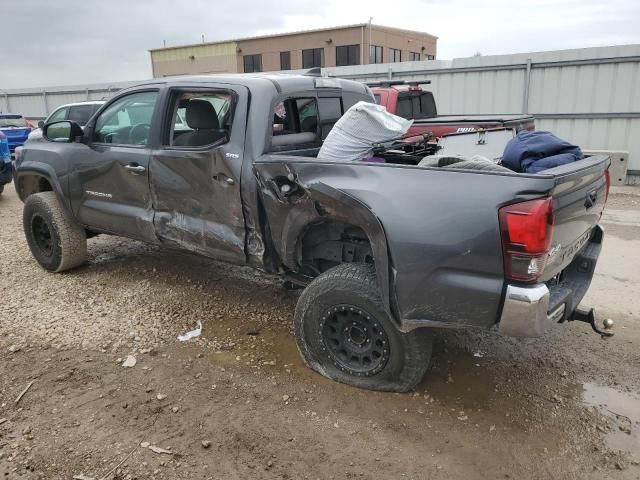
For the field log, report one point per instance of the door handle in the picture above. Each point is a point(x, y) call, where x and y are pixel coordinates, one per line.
point(135, 168)
point(224, 179)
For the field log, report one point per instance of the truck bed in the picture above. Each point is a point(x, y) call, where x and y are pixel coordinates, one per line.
point(442, 228)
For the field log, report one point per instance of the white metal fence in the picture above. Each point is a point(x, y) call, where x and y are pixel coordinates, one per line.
point(589, 96)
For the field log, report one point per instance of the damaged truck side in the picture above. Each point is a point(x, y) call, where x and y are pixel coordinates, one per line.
point(227, 167)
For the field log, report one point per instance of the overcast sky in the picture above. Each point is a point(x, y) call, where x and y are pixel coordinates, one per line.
point(45, 43)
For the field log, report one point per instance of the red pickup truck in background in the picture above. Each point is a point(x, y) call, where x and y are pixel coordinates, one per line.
point(409, 100)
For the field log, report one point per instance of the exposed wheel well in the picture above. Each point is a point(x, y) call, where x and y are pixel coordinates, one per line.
point(30, 184)
point(328, 243)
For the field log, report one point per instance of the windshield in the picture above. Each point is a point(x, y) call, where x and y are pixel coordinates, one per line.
point(12, 121)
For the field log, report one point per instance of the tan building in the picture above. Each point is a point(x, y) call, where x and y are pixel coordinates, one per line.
point(328, 47)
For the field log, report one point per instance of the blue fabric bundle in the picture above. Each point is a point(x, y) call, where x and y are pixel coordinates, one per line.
point(533, 152)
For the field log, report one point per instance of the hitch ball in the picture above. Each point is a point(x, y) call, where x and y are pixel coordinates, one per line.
point(608, 324)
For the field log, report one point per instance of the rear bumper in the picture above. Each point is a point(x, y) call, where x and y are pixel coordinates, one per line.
point(529, 310)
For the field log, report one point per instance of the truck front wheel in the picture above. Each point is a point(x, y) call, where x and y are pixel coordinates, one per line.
point(344, 333)
point(55, 240)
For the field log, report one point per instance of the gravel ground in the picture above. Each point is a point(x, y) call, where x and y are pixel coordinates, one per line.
point(238, 403)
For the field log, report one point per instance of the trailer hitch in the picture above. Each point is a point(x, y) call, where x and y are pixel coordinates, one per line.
point(590, 318)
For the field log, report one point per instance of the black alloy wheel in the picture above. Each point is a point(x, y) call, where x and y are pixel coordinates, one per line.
point(42, 236)
point(354, 340)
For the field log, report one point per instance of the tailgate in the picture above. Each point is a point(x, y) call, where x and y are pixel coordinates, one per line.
point(579, 196)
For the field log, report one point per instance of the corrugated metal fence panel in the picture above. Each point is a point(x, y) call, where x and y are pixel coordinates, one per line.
point(28, 105)
point(498, 91)
point(589, 96)
point(31, 102)
point(600, 88)
point(599, 134)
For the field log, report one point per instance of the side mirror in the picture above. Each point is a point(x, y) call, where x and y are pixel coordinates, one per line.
point(41, 124)
point(62, 132)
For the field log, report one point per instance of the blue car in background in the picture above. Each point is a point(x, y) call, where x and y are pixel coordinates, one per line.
point(6, 168)
point(16, 128)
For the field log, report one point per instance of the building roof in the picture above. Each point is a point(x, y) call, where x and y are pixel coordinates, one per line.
point(297, 32)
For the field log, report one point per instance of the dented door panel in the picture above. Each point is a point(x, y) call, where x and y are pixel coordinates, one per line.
point(196, 191)
point(194, 209)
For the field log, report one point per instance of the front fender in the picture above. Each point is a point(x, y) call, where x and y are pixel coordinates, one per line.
point(36, 164)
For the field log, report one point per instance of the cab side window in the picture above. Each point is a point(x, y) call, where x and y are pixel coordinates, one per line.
point(81, 114)
point(295, 124)
point(302, 123)
point(200, 119)
point(58, 115)
point(127, 121)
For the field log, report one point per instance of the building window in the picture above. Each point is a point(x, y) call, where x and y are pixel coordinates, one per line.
point(431, 57)
point(252, 63)
point(285, 60)
point(414, 56)
point(313, 57)
point(347, 55)
point(396, 55)
point(375, 54)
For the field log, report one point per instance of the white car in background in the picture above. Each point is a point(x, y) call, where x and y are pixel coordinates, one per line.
point(79, 112)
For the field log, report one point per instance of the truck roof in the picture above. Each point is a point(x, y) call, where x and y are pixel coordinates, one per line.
point(283, 82)
point(86, 102)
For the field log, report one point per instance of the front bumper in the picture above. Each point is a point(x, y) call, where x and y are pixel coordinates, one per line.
point(529, 310)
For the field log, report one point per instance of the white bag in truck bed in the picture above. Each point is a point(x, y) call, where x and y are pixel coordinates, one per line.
point(353, 136)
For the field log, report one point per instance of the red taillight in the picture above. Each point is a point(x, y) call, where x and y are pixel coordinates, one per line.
point(526, 238)
point(607, 183)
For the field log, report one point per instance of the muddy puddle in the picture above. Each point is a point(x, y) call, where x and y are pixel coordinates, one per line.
point(621, 409)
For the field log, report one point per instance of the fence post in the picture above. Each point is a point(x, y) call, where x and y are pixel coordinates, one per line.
point(527, 84)
point(6, 101)
point(44, 102)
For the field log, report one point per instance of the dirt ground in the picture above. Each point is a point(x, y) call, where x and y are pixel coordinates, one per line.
point(237, 403)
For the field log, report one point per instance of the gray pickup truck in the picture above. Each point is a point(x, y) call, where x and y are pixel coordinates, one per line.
point(227, 167)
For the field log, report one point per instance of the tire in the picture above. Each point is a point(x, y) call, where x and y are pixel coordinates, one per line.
point(477, 165)
point(349, 294)
point(55, 240)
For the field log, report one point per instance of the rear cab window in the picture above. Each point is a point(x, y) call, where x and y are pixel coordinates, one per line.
point(416, 105)
point(15, 121)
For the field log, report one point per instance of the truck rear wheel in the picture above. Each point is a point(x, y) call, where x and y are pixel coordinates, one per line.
point(55, 240)
point(343, 333)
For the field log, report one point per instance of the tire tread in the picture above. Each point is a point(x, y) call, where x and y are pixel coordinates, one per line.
point(72, 237)
point(360, 281)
